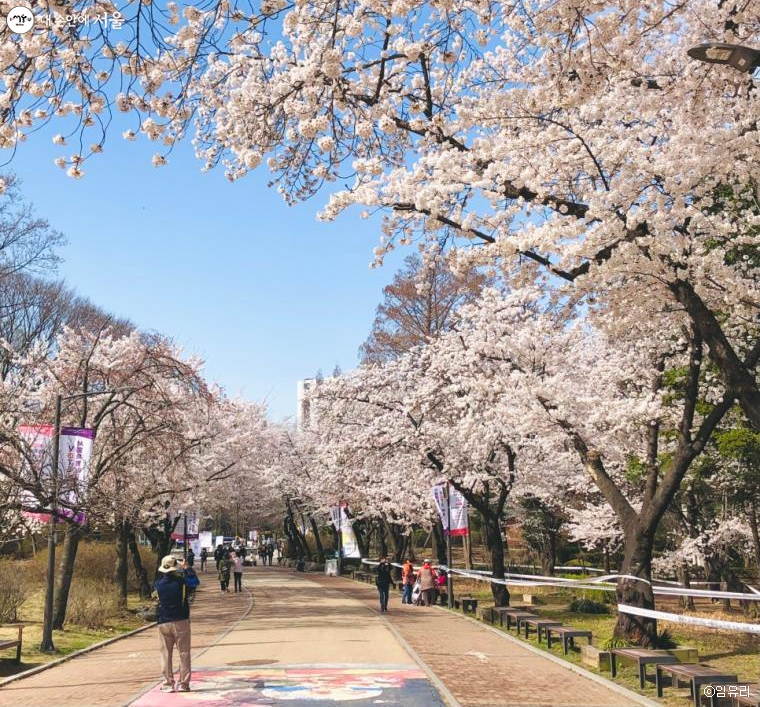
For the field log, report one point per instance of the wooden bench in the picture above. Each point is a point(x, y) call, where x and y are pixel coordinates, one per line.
point(15, 642)
point(642, 657)
point(695, 674)
point(568, 634)
point(539, 624)
point(517, 616)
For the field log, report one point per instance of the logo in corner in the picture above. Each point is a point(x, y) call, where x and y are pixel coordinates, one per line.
point(20, 20)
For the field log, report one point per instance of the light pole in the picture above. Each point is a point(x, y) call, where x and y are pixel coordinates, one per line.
point(745, 59)
point(449, 579)
point(340, 536)
point(46, 645)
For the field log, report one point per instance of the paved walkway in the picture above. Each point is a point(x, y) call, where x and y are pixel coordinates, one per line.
point(310, 637)
point(478, 666)
point(115, 673)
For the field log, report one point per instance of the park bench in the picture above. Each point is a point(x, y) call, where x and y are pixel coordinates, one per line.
point(642, 657)
point(502, 611)
point(568, 634)
point(540, 624)
point(695, 674)
point(516, 617)
point(14, 642)
point(469, 605)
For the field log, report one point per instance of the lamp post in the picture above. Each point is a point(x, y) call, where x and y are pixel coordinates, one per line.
point(449, 578)
point(340, 537)
point(745, 59)
point(46, 645)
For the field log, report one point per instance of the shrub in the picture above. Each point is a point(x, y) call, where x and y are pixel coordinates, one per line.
point(13, 591)
point(616, 642)
point(588, 606)
point(665, 640)
point(92, 604)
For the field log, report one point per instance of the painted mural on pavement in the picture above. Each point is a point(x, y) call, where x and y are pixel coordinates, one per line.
point(291, 686)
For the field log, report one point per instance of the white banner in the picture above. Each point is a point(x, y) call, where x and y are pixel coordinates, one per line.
point(457, 509)
point(342, 523)
point(74, 452)
point(219, 541)
point(206, 539)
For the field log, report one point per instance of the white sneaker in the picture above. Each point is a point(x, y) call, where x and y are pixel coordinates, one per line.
point(167, 688)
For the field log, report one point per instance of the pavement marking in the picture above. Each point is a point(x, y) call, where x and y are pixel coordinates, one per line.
point(197, 654)
point(330, 685)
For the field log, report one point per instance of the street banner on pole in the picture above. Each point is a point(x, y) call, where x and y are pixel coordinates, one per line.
point(206, 539)
point(457, 509)
point(75, 450)
point(193, 518)
point(342, 523)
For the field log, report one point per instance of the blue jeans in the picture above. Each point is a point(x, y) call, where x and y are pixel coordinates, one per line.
point(383, 591)
point(407, 596)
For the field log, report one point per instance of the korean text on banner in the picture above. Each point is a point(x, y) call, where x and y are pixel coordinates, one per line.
point(457, 510)
point(75, 450)
point(342, 523)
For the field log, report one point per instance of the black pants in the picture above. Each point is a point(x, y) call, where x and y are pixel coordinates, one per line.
point(238, 581)
point(203, 564)
point(383, 591)
point(225, 584)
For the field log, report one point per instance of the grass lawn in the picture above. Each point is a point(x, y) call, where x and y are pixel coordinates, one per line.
point(738, 654)
point(72, 638)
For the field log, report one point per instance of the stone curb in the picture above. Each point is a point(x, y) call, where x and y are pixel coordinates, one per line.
point(70, 656)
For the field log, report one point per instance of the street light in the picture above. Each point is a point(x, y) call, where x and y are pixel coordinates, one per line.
point(740, 58)
point(46, 645)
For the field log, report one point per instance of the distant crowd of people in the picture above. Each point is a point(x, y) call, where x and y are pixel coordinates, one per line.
point(420, 587)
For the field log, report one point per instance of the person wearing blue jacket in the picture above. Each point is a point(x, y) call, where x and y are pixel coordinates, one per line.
point(173, 623)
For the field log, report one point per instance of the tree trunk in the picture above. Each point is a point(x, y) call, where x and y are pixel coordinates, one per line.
point(496, 546)
point(140, 571)
point(607, 561)
point(382, 542)
point(122, 566)
point(638, 593)
point(439, 543)
point(685, 579)
point(755, 537)
point(317, 540)
point(737, 376)
point(548, 554)
point(65, 574)
point(467, 548)
point(361, 537)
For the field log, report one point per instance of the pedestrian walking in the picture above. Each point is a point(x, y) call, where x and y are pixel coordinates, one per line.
point(190, 557)
point(383, 581)
point(237, 571)
point(204, 559)
point(426, 577)
point(270, 551)
point(407, 581)
point(173, 623)
point(225, 567)
point(218, 555)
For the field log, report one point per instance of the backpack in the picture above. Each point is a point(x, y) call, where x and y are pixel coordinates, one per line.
point(191, 579)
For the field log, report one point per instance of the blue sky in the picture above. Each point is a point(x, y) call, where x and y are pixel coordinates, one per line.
point(262, 291)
